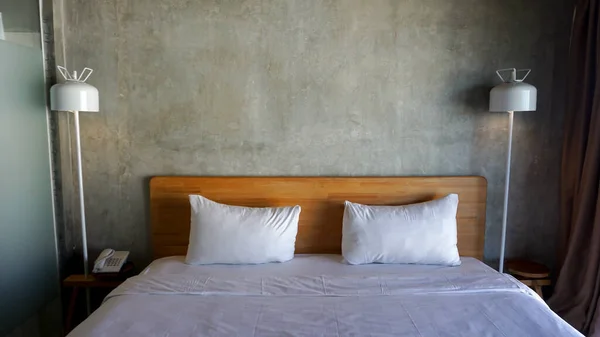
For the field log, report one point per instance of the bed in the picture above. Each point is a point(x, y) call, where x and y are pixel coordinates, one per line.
point(316, 294)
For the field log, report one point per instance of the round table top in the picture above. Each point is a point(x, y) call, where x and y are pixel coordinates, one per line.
point(527, 269)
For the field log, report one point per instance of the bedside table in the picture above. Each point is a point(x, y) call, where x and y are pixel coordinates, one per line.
point(92, 281)
point(531, 274)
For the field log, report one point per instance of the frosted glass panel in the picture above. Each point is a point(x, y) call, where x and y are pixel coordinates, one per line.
point(19, 22)
point(28, 266)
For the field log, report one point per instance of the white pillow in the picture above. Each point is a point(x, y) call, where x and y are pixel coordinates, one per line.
point(240, 235)
point(422, 233)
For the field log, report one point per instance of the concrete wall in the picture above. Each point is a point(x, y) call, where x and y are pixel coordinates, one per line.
point(297, 87)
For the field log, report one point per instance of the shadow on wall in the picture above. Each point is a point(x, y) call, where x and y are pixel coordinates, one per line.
point(537, 140)
point(474, 98)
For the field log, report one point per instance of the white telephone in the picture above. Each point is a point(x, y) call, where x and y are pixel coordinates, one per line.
point(110, 261)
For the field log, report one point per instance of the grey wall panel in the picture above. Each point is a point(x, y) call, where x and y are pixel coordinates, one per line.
point(20, 15)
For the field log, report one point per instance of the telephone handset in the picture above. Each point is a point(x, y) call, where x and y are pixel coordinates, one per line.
point(110, 261)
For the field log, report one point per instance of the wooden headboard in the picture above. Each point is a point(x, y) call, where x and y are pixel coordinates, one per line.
point(322, 201)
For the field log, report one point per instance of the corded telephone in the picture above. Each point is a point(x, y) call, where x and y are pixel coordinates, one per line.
point(110, 261)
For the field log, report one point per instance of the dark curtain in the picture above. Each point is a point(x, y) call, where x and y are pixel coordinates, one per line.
point(577, 291)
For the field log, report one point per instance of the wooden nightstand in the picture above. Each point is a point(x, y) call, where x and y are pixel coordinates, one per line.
point(99, 281)
point(531, 274)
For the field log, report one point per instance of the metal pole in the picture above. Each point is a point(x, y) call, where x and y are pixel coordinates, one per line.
point(506, 188)
point(82, 209)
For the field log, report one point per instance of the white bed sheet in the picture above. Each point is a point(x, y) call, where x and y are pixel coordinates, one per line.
point(318, 295)
point(309, 264)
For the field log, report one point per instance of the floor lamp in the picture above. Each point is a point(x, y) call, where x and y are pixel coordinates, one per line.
point(74, 95)
point(510, 96)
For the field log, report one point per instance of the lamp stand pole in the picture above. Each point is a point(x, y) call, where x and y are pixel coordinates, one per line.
point(506, 188)
point(82, 208)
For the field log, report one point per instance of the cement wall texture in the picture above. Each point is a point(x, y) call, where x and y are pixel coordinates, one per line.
point(312, 88)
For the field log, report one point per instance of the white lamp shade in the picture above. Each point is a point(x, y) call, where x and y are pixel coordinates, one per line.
point(513, 96)
point(74, 96)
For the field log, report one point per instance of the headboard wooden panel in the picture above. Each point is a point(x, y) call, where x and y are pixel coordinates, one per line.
point(321, 199)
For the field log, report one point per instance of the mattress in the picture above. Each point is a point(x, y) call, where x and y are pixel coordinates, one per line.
point(319, 295)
